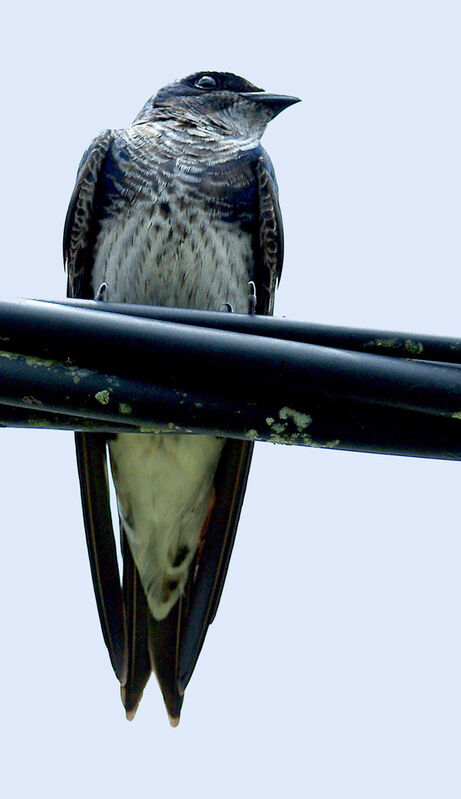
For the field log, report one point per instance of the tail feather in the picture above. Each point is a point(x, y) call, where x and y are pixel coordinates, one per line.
point(164, 637)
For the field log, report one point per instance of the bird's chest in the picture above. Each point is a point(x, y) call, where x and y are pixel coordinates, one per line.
point(159, 251)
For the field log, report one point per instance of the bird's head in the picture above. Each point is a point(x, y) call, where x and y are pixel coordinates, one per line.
point(221, 100)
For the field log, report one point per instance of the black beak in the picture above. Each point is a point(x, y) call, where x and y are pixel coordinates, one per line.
point(275, 102)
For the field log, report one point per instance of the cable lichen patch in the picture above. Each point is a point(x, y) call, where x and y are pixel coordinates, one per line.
point(414, 347)
point(79, 374)
point(288, 417)
point(33, 401)
point(103, 396)
point(385, 343)
point(33, 360)
point(301, 420)
point(291, 428)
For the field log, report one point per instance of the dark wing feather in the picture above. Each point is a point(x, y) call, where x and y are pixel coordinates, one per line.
point(92, 471)
point(81, 225)
point(232, 474)
point(137, 621)
point(123, 617)
point(210, 572)
point(268, 236)
point(164, 643)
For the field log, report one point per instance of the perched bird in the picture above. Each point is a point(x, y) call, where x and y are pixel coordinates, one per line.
point(180, 209)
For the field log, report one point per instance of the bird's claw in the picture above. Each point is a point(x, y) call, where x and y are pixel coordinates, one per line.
point(226, 306)
point(100, 294)
point(251, 298)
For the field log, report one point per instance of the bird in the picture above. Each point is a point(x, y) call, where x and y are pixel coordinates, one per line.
point(179, 209)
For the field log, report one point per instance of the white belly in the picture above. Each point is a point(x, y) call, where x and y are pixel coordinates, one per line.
point(164, 487)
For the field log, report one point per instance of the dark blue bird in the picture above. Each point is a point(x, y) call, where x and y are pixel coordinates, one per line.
point(179, 209)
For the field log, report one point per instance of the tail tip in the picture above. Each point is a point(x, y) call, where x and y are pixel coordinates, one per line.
point(130, 706)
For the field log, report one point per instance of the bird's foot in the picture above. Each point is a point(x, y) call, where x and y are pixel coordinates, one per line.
point(251, 298)
point(226, 306)
point(101, 292)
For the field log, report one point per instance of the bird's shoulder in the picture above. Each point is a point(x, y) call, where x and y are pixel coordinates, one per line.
point(80, 213)
point(230, 188)
point(269, 242)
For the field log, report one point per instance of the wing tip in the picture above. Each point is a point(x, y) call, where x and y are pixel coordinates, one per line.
point(174, 720)
point(173, 704)
point(174, 717)
point(130, 704)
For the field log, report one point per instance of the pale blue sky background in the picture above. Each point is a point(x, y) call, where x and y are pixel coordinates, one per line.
point(334, 666)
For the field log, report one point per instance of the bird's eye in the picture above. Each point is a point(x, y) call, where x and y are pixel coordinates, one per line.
point(205, 82)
